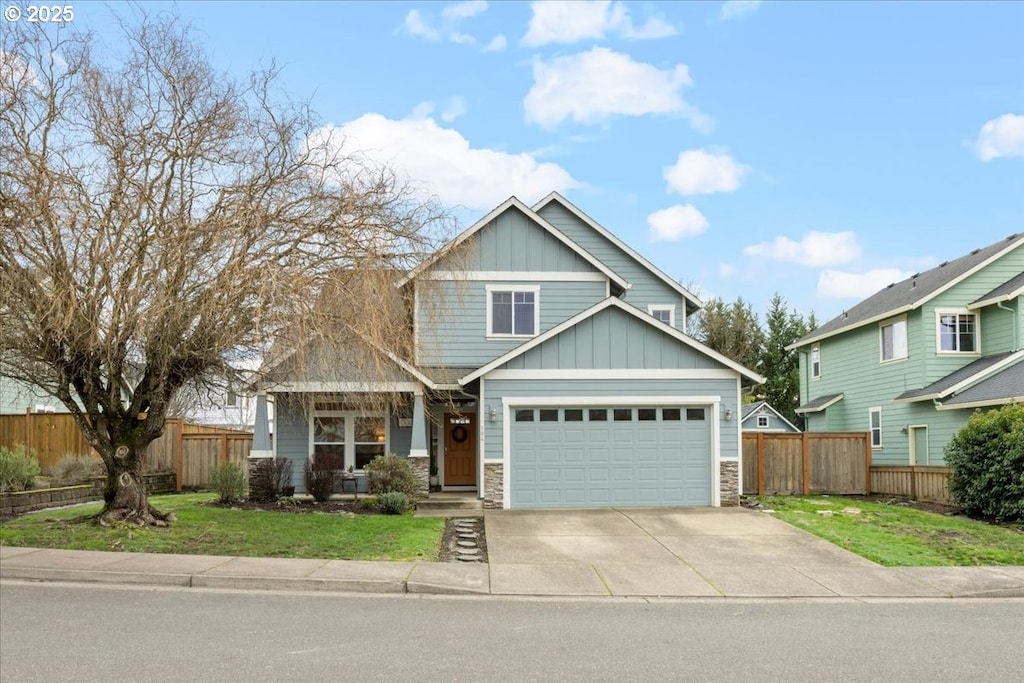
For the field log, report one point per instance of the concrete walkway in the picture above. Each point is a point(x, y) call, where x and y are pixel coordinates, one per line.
point(640, 553)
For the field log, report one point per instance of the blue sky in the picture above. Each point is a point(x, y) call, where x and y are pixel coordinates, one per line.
point(820, 150)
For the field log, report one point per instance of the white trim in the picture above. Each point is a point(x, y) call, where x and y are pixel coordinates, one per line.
point(416, 324)
point(445, 409)
point(326, 387)
point(489, 290)
point(939, 312)
point(517, 276)
point(871, 411)
point(815, 372)
point(767, 421)
point(967, 381)
point(996, 299)
point(350, 431)
point(712, 402)
point(616, 373)
point(920, 302)
point(671, 308)
point(594, 310)
point(892, 322)
point(739, 442)
point(837, 399)
point(481, 417)
point(981, 404)
point(513, 202)
point(594, 225)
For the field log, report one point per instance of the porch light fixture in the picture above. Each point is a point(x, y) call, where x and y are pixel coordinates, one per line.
point(728, 414)
point(492, 414)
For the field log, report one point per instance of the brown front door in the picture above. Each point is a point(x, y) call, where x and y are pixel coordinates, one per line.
point(460, 449)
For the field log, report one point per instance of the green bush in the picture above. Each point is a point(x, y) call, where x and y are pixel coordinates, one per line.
point(389, 472)
point(393, 503)
point(228, 480)
point(270, 476)
point(18, 468)
point(987, 461)
point(319, 483)
point(74, 469)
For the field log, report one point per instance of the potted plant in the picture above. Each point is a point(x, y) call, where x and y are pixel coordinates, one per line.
point(433, 474)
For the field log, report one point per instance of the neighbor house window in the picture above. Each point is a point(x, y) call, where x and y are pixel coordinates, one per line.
point(958, 333)
point(894, 340)
point(762, 422)
point(512, 312)
point(815, 362)
point(665, 313)
point(875, 425)
point(343, 439)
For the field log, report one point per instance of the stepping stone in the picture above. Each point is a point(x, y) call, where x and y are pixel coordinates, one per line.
point(468, 551)
point(467, 544)
point(469, 534)
point(467, 558)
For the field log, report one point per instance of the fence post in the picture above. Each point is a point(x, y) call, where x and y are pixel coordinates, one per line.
point(913, 482)
point(224, 447)
point(806, 439)
point(760, 463)
point(867, 463)
point(179, 458)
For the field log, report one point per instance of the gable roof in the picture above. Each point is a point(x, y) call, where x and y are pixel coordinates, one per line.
point(816, 405)
point(1005, 386)
point(1010, 289)
point(595, 309)
point(752, 409)
point(961, 377)
point(513, 202)
point(598, 228)
point(911, 293)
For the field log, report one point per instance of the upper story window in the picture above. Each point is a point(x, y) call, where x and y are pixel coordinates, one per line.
point(666, 313)
point(815, 362)
point(513, 311)
point(957, 332)
point(894, 340)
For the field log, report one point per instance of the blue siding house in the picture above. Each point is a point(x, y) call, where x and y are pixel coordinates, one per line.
point(550, 370)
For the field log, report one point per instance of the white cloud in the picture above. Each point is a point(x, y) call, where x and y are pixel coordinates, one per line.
point(836, 284)
point(463, 10)
point(676, 222)
point(554, 21)
point(16, 72)
point(455, 108)
point(591, 87)
point(699, 171)
point(441, 162)
point(415, 25)
point(815, 249)
point(498, 44)
point(726, 270)
point(737, 9)
point(1001, 137)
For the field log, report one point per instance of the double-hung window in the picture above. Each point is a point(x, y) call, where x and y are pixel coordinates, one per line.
point(513, 311)
point(815, 362)
point(343, 439)
point(957, 332)
point(894, 340)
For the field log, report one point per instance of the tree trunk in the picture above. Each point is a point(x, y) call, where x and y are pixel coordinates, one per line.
point(125, 493)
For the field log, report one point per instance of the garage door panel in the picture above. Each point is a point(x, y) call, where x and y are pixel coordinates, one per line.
point(662, 461)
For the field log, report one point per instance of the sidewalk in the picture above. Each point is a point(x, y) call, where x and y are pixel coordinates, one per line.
point(249, 573)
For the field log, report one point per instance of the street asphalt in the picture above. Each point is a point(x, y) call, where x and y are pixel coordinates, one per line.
point(679, 553)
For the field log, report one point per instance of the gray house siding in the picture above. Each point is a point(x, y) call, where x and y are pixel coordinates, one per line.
point(647, 289)
point(17, 397)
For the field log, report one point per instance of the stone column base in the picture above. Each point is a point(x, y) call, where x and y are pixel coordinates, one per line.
point(729, 483)
point(494, 485)
point(421, 468)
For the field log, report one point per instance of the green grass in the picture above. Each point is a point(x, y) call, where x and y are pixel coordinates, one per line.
point(897, 536)
point(205, 530)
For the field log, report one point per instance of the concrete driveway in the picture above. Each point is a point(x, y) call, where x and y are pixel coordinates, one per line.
point(672, 552)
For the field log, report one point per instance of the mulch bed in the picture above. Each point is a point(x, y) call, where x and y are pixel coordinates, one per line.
point(284, 505)
point(937, 508)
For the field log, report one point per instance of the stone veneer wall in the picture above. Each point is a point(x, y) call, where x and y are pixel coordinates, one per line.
point(494, 485)
point(729, 484)
point(421, 467)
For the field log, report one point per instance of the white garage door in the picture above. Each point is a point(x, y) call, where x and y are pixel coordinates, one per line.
point(610, 456)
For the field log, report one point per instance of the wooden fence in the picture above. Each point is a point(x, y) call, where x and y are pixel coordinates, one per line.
point(926, 483)
point(807, 463)
point(190, 451)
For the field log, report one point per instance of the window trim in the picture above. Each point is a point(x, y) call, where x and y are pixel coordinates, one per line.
point(350, 432)
point(514, 289)
point(881, 343)
point(760, 424)
point(939, 312)
point(671, 308)
point(871, 427)
point(815, 361)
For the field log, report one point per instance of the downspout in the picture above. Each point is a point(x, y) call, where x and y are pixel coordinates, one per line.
point(1016, 328)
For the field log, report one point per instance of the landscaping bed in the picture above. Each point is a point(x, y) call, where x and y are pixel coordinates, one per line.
point(895, 532)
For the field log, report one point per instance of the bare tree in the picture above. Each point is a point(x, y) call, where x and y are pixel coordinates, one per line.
point(160, 221)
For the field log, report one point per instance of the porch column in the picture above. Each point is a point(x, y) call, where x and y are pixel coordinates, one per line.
point(419, 457)
point(261, 430)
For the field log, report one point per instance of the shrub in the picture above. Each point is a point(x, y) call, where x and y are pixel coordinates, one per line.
point(269, 478)
point(987, 461)
point(18, 468)
point(228, 480)
point(393, 503)
point(74, 469)
point(319, 483)
point(391, 473)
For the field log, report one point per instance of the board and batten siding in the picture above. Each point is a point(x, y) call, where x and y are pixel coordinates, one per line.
point(647, 288)
point(452, 325)
point(497, 389)
point(612, 339)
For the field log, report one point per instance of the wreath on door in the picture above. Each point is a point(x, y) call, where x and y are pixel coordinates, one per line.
point(460, 434)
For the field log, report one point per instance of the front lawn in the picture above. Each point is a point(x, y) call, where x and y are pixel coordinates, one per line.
point(205, 530)
point(898, 536)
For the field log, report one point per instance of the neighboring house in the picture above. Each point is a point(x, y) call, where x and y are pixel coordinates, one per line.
point(558, 376)
point(18, 398)
point(910, 363)
point(761, 417)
